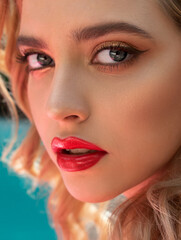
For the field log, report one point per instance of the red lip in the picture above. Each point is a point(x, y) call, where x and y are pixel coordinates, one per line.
point(72, 163)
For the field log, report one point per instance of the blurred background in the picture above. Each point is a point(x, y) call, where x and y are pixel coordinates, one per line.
point(23, 215)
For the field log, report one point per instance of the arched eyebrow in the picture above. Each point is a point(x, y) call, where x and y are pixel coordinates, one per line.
point(29, 41)
point(89, 33)
point(99, 30)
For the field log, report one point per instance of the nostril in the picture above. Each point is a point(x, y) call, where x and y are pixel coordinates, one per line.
point(71, 117)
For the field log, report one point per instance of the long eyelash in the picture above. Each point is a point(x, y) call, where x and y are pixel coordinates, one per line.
point(131, 50)
point(21, 58)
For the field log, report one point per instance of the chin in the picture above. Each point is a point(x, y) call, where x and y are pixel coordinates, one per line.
point(92, 197)
point(88, 199)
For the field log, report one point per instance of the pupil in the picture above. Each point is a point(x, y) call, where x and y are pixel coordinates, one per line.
point(43, 59)
point(117, 55)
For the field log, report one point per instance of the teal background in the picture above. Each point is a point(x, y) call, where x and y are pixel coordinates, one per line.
point(22, 217)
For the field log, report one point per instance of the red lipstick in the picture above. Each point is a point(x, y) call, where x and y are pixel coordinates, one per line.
point(84, 155)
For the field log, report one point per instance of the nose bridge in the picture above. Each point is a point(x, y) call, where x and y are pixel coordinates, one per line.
point(67, 98)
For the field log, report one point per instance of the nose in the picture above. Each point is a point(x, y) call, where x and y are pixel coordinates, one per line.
point(67, 100)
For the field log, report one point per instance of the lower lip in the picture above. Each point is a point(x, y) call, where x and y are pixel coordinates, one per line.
point(73, 163)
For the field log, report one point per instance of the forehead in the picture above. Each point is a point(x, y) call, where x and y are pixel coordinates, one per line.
point(58, 17)
point(87, 10)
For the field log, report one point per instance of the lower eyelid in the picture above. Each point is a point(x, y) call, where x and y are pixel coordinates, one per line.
point(112, 68)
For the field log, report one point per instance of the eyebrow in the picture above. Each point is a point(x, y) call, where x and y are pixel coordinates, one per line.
point(100, 30)
point(31, 42)
point(89, 33)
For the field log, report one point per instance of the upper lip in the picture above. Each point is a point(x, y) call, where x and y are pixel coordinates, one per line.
point(71, 143)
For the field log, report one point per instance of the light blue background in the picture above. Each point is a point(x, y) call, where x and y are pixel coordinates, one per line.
point(21, 216)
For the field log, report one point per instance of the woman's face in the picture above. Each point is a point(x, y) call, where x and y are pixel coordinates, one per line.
point(114, 86)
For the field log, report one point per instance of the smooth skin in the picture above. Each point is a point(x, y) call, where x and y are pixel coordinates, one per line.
point(131, 111)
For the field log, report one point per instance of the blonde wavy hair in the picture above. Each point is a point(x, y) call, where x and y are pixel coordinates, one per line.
point(3, 88)
point(154, 213)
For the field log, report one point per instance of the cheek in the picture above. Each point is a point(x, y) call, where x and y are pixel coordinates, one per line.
point(38, 93)
point(152, 99)
point(146, 127)
point(153, 122)
point(150, 104)
point(36, 99)
point(155, 106)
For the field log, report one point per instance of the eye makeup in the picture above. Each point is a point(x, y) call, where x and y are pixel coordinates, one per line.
point(128, 53)
point(120, 54)
point(24, 58)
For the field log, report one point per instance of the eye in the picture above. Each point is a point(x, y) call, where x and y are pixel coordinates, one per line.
point(35, 60)
point(114, 55)
point(39, 60)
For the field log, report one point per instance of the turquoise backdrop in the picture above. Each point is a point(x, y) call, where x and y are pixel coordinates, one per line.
point(21, 217)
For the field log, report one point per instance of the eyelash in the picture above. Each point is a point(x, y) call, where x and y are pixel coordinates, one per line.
point(122, 47)
point(23, 58)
